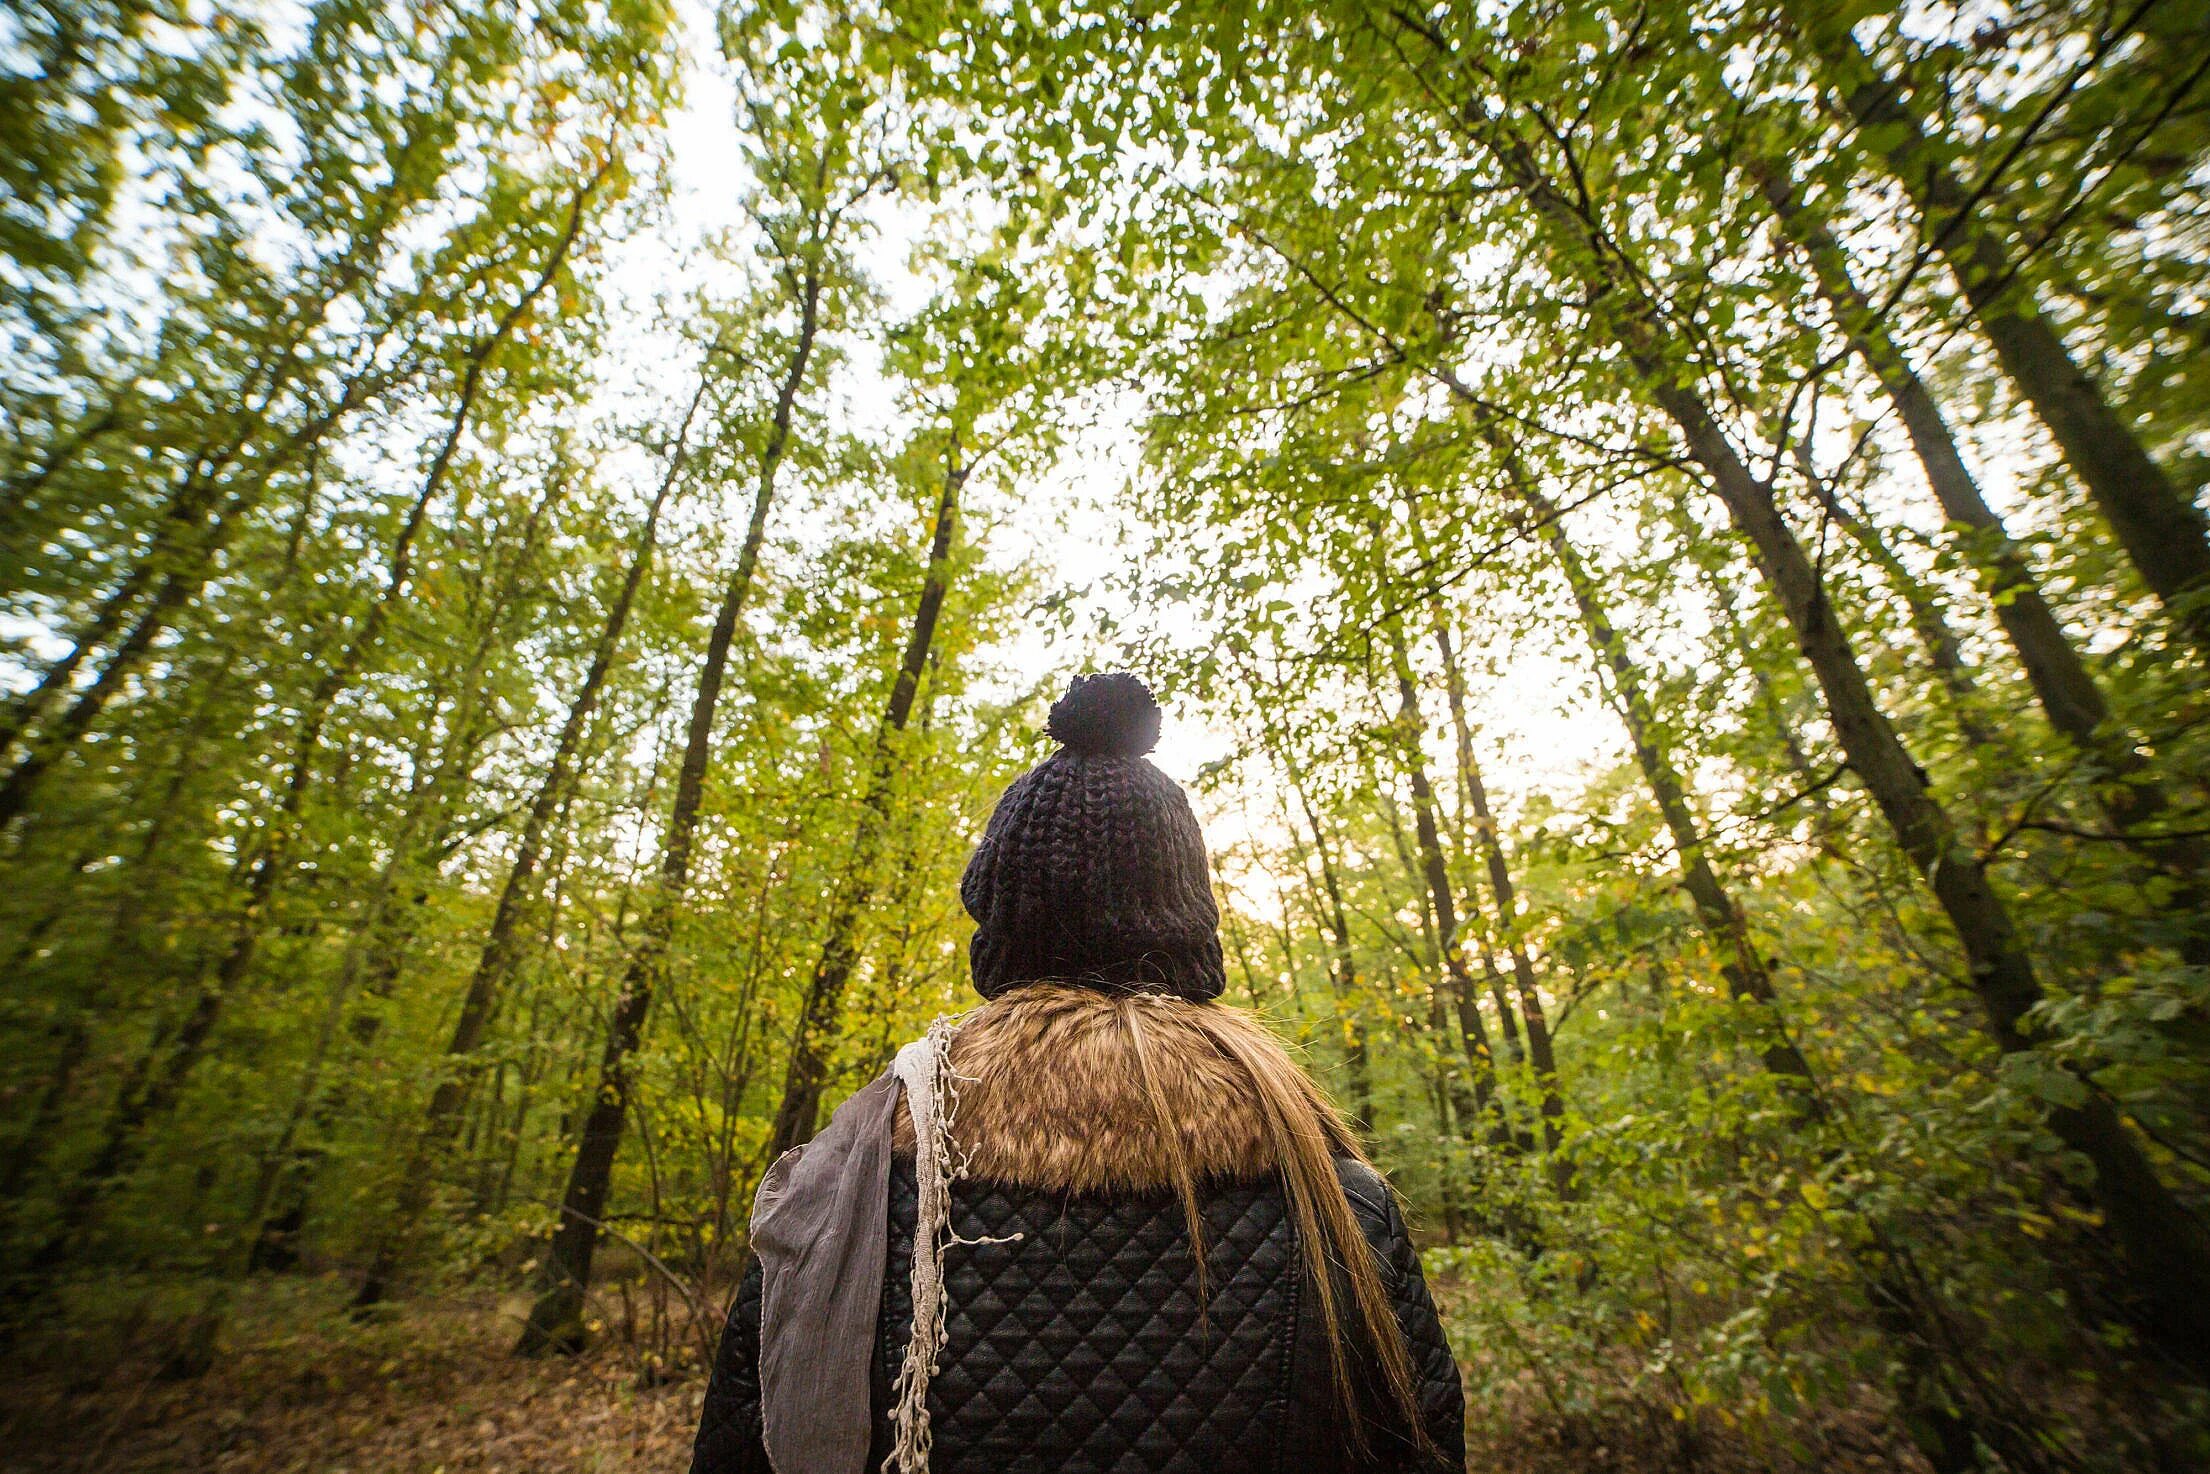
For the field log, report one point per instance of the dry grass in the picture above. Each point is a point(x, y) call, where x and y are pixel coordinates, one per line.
point(294, 1388)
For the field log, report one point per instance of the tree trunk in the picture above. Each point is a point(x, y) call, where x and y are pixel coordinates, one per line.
point(1808, 781)
point(187, 571)
point(818, 1024)
point(1719, 915)
point(1343, 957)
point(285, 1178)
point(2165, 1246)
point(123, 954)
point(20, 541)
point(2061, 681)
point(1944, 652)
point(1334, 918)
point(47, 745)
point(376, 950)
point(181, 519)
point(24, 1153)
point(181, 535)
point(556, 1320)
point(195, 502)
point(119, 1149)
point(1447, 1091)
point(156, 1087)
point(1532, 1016)
point(1435, 870)
point(2166, 1249)
point(501, 950)
point(2161, 530)
point(1486, 839)
point(1471, 815)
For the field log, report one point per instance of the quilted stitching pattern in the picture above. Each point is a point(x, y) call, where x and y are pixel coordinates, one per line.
point(729, 1423)
point(1084, 1345)
point(1442, 1403)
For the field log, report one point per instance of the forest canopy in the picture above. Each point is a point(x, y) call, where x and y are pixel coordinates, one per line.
point(1670, 536)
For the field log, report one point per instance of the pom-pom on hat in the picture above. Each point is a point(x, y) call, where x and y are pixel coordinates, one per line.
point(1092, 869)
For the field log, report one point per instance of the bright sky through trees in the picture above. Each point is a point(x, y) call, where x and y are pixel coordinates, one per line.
point(1670, 537)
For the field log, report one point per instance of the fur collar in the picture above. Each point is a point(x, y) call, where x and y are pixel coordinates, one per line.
point(1051, 1094)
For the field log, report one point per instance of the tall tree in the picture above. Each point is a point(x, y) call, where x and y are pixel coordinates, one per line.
point(2164, 1243)
point(987, 394)
point(275, 362)
point(820, 1011)
point(1744, 968)
point(826, 176)
point(1434, 868)
point(338, 669)
point(2162, 531)
point(2067, 692)
point(501, 951)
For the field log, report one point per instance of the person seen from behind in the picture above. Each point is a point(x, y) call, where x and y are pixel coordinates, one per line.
point(1103, 1222)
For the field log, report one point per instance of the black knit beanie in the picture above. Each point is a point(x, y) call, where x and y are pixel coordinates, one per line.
point(1092, 869)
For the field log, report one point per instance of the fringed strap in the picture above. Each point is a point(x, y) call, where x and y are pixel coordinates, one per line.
point(932, 1099)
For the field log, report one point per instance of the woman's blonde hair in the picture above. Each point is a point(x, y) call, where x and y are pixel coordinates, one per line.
point(1307, 1136)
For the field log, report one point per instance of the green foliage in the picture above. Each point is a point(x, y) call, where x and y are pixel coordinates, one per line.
point(337, 409)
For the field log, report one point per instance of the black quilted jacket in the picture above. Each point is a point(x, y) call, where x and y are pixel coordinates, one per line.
point(1084, 1346)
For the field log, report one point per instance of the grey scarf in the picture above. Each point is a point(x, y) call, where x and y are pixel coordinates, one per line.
point(821, 1226)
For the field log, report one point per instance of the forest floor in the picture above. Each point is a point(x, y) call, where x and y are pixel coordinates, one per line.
point(293, 1387)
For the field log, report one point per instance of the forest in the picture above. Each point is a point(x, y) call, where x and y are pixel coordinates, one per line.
point(1670, 535)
